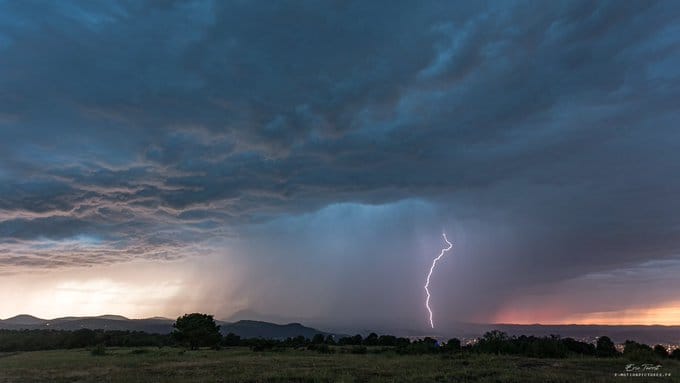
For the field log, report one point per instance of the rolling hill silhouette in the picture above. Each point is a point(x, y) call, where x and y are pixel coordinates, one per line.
point(159, 325)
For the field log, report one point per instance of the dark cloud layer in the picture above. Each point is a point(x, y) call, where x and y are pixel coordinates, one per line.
point(135, 130)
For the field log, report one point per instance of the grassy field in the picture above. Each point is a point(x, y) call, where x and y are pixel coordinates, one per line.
point(243, 365)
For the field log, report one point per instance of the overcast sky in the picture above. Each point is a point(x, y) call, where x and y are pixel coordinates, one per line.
point(302, 159)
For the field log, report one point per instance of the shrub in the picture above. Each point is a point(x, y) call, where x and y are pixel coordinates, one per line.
point(676, 354)
point(231, 339)
point(660, 351)
point(453, 345)
point(605, 347)
point(637, 352)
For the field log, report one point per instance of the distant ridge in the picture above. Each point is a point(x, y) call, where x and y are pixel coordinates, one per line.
point(25, 320)
point(250, 315)
point(247, 328)
point(159, 325)
point(105, 322)
point(112, 317)
point(259, 329)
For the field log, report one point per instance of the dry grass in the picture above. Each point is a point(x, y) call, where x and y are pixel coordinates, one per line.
point(242, 365)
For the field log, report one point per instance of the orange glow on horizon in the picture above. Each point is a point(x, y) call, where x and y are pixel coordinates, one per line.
point(668, 315)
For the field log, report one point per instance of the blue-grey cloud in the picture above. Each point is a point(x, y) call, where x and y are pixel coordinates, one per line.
point(160, 127)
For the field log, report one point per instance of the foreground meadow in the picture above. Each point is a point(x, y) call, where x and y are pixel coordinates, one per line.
point(240, 364)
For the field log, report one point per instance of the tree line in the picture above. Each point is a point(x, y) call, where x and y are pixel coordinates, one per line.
point(200, 330)
point(34, 340)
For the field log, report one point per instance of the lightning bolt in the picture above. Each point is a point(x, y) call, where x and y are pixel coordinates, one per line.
point(427, 282)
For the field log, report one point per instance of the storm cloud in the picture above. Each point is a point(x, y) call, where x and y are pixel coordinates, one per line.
point(542, 136)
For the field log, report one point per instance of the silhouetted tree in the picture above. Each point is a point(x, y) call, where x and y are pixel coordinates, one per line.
point(497, 342)
point(453, 345)
point(545, 347)
point(605, 347)
point(231, 340)
point(318, 339)
point(351, 340)
point(676, 354)
point(196, 330)
point(660, 350)
point(638, 352)
point(631, 346)
point(387, 340)
point(578, 347)
point(371, 339)
point(401, 341)
point(330, 340)
point(426, 345)
point(493, 341)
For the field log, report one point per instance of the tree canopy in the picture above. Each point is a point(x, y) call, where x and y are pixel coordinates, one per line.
point(197, 330)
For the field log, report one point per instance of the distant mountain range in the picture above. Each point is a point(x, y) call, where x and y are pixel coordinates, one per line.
point(106, 322)
point(243, 328)
point(262, 329)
